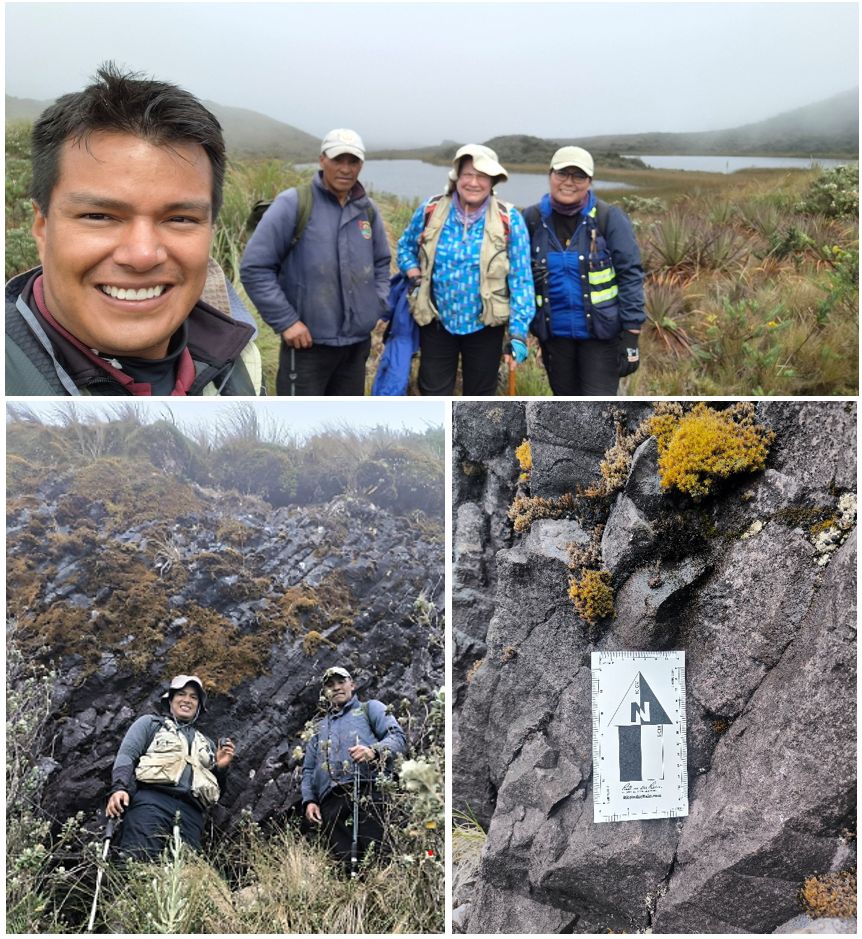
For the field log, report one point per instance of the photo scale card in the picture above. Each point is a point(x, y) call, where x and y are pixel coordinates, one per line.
point(639, 748)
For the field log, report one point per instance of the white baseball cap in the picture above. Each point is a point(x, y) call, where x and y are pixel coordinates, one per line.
point(573, 156)
point(340, 141)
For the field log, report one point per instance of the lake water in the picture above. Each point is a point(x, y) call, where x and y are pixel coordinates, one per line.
point(413, 179)
point(730, 164)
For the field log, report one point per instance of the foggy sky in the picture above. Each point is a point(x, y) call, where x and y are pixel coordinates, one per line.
point(408, 74)
point(312, 417)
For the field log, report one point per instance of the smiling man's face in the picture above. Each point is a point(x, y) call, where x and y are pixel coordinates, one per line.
point(125, 242)
point(338, 690)
point(184, 703)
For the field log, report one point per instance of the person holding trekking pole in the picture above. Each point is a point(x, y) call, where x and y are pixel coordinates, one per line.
point(317, 269)
point(466, 254)
point(167, 769)
point(347, 753)
point(589, 282)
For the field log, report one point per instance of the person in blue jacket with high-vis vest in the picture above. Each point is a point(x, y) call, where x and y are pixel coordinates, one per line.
point(589, 282)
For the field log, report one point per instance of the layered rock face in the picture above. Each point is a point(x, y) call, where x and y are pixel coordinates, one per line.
point(756, 583)
point(258, 601)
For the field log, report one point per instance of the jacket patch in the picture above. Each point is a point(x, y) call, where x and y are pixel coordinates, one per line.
point(365, 228)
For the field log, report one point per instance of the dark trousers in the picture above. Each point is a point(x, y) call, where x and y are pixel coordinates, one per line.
point(336, 809)
point(589, 367)
point(322, 370)
point(479, 352)
point(148, 824)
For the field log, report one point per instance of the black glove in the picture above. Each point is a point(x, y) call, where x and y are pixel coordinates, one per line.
point(629, 354)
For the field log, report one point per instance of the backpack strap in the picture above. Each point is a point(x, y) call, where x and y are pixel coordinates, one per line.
point(603, 210)
point(504, 208)
point(303, 195)
point(533, 219)
point(429, 211)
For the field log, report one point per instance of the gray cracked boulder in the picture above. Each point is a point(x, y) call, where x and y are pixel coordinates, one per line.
point(768, 623)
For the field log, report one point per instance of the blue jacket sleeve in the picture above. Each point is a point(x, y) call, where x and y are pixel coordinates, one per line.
point(386, 729)
point(309, 766)
point(625, 254)
point(408, 243)
point(264, 255)
point(522, 295)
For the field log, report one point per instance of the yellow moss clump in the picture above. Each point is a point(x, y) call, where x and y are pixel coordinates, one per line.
point(592, 595)
point(524, 511)
point(313, 641)
point(524, 456)
point(698, 448)
point(830, 894)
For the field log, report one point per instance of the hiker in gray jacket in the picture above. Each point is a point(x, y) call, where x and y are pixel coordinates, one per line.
point(322, 285)
point(353, 738)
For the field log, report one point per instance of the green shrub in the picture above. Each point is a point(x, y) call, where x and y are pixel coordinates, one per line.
point(835, 193)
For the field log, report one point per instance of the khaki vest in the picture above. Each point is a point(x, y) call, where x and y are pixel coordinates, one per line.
point(169, 754)
point(493, 262)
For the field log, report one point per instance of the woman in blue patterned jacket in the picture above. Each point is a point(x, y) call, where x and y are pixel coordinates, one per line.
point(467, 255)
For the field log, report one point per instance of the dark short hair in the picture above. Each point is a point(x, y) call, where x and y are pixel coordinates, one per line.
point(155, 111)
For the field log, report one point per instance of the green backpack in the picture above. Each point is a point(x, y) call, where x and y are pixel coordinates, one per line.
point(304, 196)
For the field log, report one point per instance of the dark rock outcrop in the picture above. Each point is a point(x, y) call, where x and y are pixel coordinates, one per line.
point(762, 602)
point(259, 601)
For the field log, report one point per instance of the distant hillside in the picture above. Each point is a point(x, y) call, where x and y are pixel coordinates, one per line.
point(826, 128)
point(247, 133)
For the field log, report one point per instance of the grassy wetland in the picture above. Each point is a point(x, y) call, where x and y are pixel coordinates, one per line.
point(751, 278)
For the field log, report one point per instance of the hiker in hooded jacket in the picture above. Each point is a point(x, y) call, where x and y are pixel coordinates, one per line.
point(127, 183)
point(317, 269)
point(167, 767)
point(467, 256)
point(353, 738)
point(589, 282)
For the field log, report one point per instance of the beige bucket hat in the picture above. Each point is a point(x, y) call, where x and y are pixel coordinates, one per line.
point(484, 161)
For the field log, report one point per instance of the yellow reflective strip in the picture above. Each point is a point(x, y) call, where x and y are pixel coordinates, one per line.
point(601, 296)
point(602, 277)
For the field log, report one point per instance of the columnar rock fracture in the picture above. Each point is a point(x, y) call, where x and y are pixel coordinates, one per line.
point(756, 583)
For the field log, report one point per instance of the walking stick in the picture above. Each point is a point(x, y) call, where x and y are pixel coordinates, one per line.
point(511, 377)
point(292, 373)
point(354, 849)
point(109, 834)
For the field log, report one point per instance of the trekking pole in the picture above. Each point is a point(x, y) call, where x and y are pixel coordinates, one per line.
point(354, 849)
point(109, 834)
point(292, 372)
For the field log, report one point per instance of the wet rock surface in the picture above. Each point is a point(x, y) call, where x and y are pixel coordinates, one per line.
point(294, 591)
point(770, 639)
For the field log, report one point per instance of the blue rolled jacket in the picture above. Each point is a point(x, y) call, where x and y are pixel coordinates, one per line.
point(327, 762)
point(335, 279)
point(561, 276)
